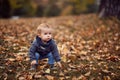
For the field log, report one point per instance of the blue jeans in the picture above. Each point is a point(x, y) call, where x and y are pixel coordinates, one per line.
point(49, 56)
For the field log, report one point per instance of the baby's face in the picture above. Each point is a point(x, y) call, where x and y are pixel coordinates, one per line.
point(46, 34)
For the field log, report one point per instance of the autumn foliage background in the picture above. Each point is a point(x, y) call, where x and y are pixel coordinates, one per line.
point(89, 46)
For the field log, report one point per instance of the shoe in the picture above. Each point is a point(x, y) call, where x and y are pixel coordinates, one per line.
point(53, 68)
point(34, 67)
point(49, 66)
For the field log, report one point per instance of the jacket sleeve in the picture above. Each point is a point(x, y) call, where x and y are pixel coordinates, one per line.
point(32, 50)
point(55, 52)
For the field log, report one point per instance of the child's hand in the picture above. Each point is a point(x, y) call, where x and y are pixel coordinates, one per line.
point(33, 62)
point(59, 64)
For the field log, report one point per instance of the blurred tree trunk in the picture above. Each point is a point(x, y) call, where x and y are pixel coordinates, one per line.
point(109, 8)
point(5, 9)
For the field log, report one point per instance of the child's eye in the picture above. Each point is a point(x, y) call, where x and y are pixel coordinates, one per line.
point(45, 33)
point(50, 33)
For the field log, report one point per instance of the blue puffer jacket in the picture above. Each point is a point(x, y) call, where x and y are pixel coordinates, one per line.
point(43, 49)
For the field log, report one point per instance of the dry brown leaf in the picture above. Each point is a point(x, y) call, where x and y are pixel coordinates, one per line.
point(11, 59)
point(21, 53)
point(74, 78)
point(106, 71)
point(79, 42)
point(113, 58)
point(117, 48)
point(88, 73)
point(49, 77)
point(83, 52)
point(72, 57)
point(21, 78)
point(107, 78)
point(82, 77)
point(19, 58)
point(37, 76)
point(61, 73)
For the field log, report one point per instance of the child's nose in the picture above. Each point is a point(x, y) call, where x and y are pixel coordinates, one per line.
point(48, 35)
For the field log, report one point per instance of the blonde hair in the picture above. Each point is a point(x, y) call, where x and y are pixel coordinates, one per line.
point(42, 26)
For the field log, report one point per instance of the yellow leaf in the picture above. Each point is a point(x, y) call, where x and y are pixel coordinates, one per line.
point(47, 71)
point(64, 59)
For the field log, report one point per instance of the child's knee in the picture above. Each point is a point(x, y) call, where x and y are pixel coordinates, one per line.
point(37, 55)
point(50, 55)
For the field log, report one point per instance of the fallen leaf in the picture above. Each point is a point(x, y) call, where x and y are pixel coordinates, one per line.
point(88, 73)
point(21, 78)
point(37, 76)
point(47, 71)
point(107, 78)
point(19, 58)
point(11, 59)
point(61, 73)
point(83, 52)
point(49, 77)
point(72, 57)
point(74, 78)
point(64, 58)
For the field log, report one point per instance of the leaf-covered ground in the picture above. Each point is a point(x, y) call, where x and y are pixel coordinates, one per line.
point(89, 48)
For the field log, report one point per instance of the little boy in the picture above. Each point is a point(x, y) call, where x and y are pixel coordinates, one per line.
point(44, 47)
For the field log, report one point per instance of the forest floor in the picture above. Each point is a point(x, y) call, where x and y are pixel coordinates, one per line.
point(89, 48)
